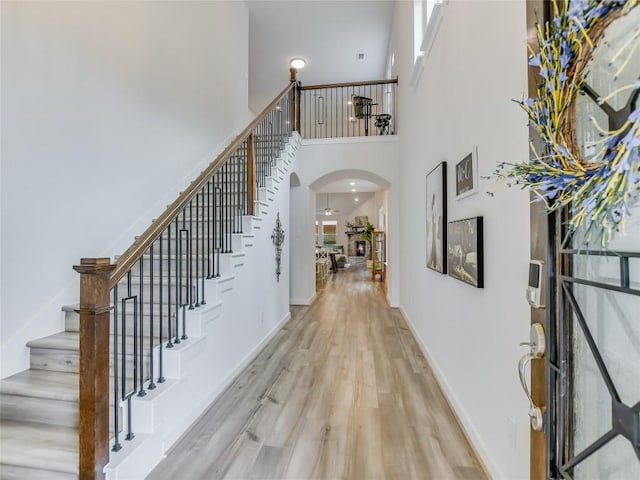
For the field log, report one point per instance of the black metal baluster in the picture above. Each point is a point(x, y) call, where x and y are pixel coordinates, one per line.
point(169, 314)
point(152, 384)
point(209, 220)
point(161, 316)
point(197, 253)
point(204, 255)
point(227, 212)
point(178, 302)
point(217, 234)
point(116, 365)
point(140, 354)
point(190, 259)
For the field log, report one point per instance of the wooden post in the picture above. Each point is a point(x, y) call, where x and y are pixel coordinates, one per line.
point(293, 73)
point(95, 276)
point(251, 175)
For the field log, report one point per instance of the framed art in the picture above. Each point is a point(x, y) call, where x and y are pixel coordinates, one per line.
point(361, 221)
point(437, 218)
point(465, 256)
point(467, 175)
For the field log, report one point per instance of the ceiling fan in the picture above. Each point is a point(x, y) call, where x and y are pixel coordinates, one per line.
point(328, 210)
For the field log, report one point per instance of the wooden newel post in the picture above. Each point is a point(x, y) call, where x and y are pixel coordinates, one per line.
point(95, 275)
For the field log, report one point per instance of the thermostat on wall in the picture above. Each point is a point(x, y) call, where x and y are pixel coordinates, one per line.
point(535, 289)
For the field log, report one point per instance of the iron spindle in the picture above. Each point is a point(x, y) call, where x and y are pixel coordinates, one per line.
point(130, 435)
point(161, 317)
point(204, 255)
point(210, 219)
point(169, 293)
point(178, 256)
point(197, 256)
point(190, 258)
point(116, 400)
point(152, 384)
point(140, 354)
point(216, 235)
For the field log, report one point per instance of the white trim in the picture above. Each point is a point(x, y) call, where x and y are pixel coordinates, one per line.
point(428, 39)
point(188, 421)
point(431, 32)
point(308, 301)
point(463, 418)
point(339, 140)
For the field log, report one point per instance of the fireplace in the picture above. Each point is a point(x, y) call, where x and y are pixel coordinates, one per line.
point(361, 246)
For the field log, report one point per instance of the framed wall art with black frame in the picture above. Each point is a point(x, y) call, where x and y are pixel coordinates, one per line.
point(467, 175)
point(465, 256)
point(437, 218)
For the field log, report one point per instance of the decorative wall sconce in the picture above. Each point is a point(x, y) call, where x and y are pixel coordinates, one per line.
point(278, 240)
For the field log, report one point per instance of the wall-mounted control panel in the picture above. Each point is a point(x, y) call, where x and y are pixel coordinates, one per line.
point(536, 287)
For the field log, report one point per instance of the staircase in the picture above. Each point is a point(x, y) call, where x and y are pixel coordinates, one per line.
point(182, 361)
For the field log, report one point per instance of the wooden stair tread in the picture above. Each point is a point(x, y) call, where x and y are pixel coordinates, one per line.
point(71, 341)
point(57, 341)
point(42, 384)
point(13, 472)
point(33, 445)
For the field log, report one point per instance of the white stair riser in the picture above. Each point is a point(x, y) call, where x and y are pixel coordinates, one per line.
point(47, 411)
point(68, 361)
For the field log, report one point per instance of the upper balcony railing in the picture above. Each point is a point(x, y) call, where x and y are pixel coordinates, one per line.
point(348, 109)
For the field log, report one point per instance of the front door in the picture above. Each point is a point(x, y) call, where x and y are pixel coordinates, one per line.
point(589, 387)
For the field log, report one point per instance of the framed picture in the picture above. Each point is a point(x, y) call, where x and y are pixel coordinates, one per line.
point(361, 221)
point(467, 175)
point(437, 218)
point(465, 256)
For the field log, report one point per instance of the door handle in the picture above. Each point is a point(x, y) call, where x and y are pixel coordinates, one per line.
point(536, 346)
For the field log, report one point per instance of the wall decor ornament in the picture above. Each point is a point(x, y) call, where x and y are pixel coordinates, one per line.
point(587, 115)
point(278, 239)
point(465, 250)
point(437, 218)
point(467, 175)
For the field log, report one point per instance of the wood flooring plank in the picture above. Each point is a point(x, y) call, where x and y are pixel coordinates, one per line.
point(341, 392)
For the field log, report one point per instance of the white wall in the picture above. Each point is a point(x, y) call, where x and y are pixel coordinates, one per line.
point(108, 110)
point(321, 162)
point(477, 65)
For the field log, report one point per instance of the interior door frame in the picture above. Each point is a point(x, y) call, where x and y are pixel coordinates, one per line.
point(541, 248)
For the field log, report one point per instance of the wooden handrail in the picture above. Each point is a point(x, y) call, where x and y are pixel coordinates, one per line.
point(128, 259)
point(348, 84)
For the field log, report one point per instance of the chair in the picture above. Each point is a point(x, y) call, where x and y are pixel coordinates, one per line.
point(362, 110)
point(382, 123)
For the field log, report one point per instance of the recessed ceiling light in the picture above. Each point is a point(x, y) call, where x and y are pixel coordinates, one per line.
point(353, 189)
point(356, 199)
point(352, 183)
point(298, 63)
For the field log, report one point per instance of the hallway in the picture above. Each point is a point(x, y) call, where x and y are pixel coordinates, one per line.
point(341, 392)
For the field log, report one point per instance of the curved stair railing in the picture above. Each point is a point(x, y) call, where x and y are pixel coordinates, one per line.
point(133, 309)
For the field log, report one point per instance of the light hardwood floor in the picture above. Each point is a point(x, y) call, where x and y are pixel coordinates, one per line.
point(342, 392)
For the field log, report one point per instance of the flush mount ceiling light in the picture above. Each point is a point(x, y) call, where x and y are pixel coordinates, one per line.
point(298, 63)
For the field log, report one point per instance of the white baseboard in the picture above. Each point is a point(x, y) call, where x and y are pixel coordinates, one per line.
point(174, 436)
point(308, 301)
point(489, 465)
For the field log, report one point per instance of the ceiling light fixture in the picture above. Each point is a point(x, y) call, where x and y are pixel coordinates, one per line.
point(356, 199)
point(353, 189)
point(297, 63)
point(352, 183)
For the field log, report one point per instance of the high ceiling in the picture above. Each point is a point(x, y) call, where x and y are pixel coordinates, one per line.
point(328, 34)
